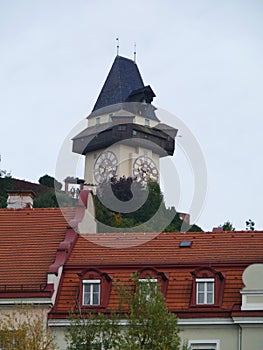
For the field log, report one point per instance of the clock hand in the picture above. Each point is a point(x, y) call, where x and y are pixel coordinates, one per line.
point(102, 170)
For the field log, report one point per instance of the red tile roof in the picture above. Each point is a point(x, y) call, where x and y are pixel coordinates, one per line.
point(34, 242)
point(221, 247)
point(226, 252)
point(28, 242)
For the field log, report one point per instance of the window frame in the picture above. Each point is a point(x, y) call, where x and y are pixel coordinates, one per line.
point(207, 274)
point(92, 283)
point(122, 128)
point(205, 292)
point(151, 273)
point(92, 275)
point(209, 344)
point(149, 281)
point(146, 122)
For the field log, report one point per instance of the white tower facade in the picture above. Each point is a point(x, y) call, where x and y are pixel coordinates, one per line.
point(124, 137)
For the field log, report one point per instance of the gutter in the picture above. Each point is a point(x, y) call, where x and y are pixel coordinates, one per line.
point(239, 337)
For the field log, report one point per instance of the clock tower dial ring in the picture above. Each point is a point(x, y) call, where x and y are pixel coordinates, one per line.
point(105, 166)
point(145, 169)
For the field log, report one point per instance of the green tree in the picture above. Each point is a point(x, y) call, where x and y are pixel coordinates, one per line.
point(149, 325)
point(151, 205)
point(186, 345)
point(92, 332)
point(6, 184)
point(46, 200)
point(227, 226)
point(83, 334)
point(152, 201)
point(50, 181)
point(51, 199)
point(4, 173)
point(123, 190)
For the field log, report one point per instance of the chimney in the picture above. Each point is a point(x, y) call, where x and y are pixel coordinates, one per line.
point(185, 217)
point(218, 229)
point(19, 199)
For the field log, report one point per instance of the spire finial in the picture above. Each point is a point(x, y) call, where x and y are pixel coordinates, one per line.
point(118, 45)
point(134, 53)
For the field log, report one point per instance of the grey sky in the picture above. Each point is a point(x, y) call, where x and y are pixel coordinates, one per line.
point(202, 58)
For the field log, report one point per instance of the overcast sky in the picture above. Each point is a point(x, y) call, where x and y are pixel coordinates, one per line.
point(203, 59)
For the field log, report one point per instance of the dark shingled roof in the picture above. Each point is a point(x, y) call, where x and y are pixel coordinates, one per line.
point(123, 79)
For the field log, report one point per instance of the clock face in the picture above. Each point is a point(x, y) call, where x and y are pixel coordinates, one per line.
point(145, 169)
point(105, 166)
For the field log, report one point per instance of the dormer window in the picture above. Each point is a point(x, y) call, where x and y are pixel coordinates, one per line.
point(146, 122)
point(148, 287)
point(91, 292)
point(205, 290)
point(95, 288)
point(150, 276)
point(208, 287)
point(97, 120)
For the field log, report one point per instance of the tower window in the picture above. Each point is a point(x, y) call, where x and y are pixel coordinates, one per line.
point(122, 127)
point(146, 122)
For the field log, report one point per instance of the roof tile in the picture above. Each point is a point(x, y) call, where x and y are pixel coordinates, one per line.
point(29, 239)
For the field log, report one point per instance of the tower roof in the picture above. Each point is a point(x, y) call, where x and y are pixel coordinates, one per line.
point(123, 83)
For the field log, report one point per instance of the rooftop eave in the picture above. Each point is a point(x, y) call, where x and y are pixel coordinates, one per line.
point(30, 298)
point(135, 108)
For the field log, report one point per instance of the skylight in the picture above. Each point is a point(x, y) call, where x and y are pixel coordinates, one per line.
point(185, 244)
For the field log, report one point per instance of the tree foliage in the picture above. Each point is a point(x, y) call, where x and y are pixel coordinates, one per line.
point(228, 226)
point(45, 196)
point(250, 225)
point(50, 181)
point(22, 330)
point(92, 332)
point(152, 201)
point(6, 184)
point(51, 199)
point(148, 323)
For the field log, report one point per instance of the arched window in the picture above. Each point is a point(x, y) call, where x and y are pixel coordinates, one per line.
point(95, 287)
point(208, 287)
point(152, 275)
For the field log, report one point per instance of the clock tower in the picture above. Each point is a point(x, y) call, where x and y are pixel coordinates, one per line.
point(124, 137)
